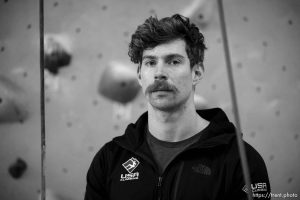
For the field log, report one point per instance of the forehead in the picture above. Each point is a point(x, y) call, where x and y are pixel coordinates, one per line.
point(173, 47)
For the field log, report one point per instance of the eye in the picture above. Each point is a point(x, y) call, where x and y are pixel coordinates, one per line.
point(174, 62)
point(150, 63)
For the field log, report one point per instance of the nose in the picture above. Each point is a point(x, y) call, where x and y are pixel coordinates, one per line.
point(160, 77)
point(159, 73)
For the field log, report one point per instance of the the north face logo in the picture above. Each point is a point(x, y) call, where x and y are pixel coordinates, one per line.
point(202, 169)
point(131, 164)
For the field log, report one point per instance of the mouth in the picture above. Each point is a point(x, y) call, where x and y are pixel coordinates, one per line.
point(162, 91)
point(161, 88)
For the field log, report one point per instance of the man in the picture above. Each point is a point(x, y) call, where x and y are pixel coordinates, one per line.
point(173, 151)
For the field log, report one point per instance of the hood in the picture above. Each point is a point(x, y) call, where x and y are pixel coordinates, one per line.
point(219, 131)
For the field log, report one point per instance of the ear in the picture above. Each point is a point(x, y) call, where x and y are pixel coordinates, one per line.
point(197, 73)
point(139, 74)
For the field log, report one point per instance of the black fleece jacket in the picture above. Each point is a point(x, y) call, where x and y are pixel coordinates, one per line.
point(209, 169)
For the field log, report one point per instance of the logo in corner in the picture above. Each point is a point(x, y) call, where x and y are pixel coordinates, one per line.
point(256, 187)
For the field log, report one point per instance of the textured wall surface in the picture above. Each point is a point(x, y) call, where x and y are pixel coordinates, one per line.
point(264, 43)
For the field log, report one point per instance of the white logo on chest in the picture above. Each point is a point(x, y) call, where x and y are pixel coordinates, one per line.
point(130, 166)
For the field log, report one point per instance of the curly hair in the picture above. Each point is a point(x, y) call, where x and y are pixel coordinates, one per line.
point(155, 32)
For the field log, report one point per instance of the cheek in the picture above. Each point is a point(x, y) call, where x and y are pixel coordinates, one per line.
point(145, 82)
point(184, 81)
point(146, 76)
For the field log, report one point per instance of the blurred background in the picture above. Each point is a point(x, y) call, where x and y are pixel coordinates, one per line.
point(92, 94)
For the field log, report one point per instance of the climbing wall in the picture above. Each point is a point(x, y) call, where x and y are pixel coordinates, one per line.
point(92, 94)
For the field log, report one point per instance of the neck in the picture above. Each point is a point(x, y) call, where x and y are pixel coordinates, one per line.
point(175, 125)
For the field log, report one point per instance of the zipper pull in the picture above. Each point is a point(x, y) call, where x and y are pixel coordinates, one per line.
point(159, 181)
point(159, 188)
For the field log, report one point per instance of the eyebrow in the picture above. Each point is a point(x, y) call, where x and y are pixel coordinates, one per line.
point(172, 56)
point(149, 57)
point(167, 57)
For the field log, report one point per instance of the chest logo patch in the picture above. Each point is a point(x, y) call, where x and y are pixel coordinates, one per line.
point(202, 169)
point(130, 166)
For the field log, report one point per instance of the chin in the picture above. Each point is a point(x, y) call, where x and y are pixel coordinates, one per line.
point(166, 102)
point(165, 105)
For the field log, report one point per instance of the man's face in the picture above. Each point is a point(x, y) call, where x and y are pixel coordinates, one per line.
point(166, 76)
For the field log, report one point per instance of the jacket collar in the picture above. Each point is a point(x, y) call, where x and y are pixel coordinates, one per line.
point(219, 132)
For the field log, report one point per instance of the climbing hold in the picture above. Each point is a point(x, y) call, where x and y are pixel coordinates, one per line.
point(126, 33)
point(2, 49)
point(200, 16)
point(200, 12)
point(12, 104)
point(213, 86)
point(78, 30)
point(95, 102)
point(265, 44)
point(47, 99)
point(73, 77)
point(104, 7)
point(245, 19)
point(25, 74)
point(69, 124)
point(119, 83)
point(65, 170)
point(91, 148)
point(52, 81)
point(239, 65)
point(57, 53)
point(10, 110)
point(152, 11)
point(17, 169)
point(116, 127)
point(258, 89)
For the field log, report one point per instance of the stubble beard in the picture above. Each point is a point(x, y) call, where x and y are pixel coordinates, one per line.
point(169, 103)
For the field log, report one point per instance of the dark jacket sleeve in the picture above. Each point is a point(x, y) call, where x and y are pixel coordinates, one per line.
point(96, 179)
point(259, 177)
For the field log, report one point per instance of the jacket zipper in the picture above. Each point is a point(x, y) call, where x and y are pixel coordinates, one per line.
point(160, 178)
point(178, 177)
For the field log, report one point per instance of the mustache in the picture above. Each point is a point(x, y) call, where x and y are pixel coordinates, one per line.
point(160, 86)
